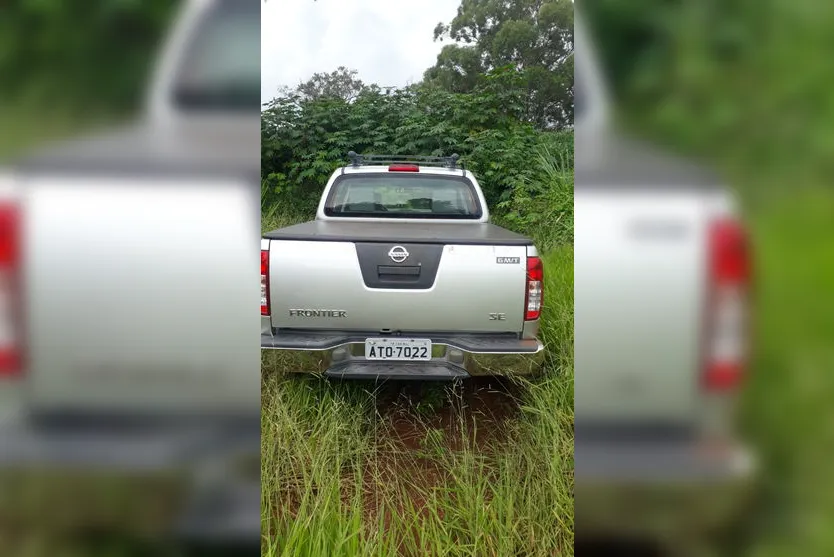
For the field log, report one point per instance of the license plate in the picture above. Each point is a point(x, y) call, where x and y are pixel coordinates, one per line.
point(398, 349)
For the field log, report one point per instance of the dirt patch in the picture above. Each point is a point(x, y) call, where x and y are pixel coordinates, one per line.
point(477, 414)
point(420, 427)
point(393, 484)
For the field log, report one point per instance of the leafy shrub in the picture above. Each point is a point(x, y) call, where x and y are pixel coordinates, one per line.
point(81, 55)
point(525, 172)
point(543, 207)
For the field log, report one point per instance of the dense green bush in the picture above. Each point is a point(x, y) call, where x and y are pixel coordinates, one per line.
point(304, 140)
point(79, 55)
point(747, 84)
point(543, 208)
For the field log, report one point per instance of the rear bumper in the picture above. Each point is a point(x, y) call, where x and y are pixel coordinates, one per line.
point(166, 481)
point(341, 354)
point(667, 491)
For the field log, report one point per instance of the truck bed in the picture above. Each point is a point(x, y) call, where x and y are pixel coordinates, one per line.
point(465, 233)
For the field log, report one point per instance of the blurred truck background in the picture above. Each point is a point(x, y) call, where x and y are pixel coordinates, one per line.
point(129, 213)
point(746, 88)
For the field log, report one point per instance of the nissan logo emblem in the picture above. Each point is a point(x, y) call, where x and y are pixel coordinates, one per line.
point(398, 254)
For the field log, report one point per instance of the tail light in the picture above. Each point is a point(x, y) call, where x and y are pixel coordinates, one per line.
point(264, 282)
point(727, 327)
point(535, 285)
point(403, 168)
point(10, 315)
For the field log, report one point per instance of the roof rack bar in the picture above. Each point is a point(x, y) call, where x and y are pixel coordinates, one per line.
point(452, 162)
point(355, 159)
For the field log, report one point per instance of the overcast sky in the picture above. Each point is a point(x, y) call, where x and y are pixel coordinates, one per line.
point(389, 42)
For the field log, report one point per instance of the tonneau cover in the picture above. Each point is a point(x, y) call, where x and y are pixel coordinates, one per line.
point(147, 151)
point(622, 164)
point(464, 233)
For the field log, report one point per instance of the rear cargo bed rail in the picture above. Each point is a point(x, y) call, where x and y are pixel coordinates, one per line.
point(399, 232)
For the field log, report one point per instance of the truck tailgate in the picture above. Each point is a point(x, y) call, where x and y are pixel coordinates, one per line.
point(137, 291)
point(639, 291)
point(462, 278)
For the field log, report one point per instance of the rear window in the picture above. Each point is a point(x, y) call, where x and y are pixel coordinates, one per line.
point(222, 65)
point(390, 195)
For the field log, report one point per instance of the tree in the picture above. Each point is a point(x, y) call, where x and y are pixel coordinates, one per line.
point(532, 37)
point(341, 83)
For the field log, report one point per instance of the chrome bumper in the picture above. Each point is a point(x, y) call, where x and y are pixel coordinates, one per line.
point(196, 482)
point(341, 354)
point(667, 491)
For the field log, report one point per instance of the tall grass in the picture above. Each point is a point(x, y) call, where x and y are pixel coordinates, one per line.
point(543, 207)
point(481, 468)
point(787, 406)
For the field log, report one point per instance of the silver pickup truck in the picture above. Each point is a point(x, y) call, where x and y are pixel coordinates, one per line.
point(662, 301)
point(128, 264)
point(401, 275)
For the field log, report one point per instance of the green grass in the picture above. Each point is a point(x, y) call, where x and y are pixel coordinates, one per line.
point(789, 403)
point(787, 412)
point(479, 468)
point(543, 209)
point(25, 127)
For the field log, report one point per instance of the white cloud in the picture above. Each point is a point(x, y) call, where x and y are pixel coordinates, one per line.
point(389, 42)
